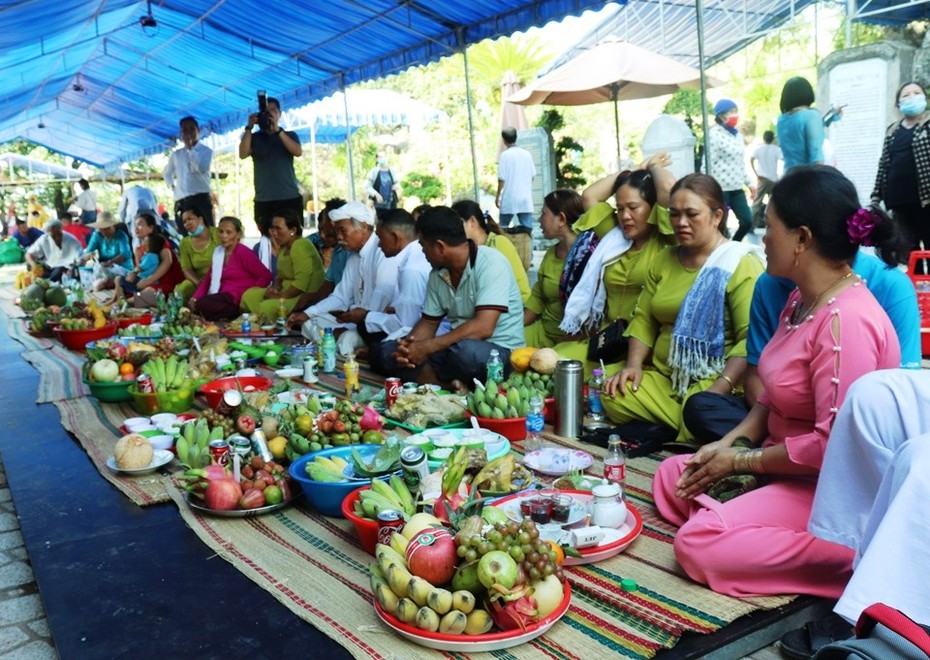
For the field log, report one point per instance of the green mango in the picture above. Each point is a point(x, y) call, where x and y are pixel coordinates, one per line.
point(516, 380)
point(513, 398)
point(497, 414)
point(501, 402)
point(511, 413)
point(484, 410)
point(490, 396)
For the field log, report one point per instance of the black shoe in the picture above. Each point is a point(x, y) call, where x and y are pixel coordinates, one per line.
point(804, 642)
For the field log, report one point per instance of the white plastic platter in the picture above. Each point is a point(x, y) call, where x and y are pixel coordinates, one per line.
point(162, 457)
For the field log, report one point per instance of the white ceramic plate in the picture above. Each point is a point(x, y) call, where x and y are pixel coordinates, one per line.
point(289, 372)
point(162, 457)
point(547, 460)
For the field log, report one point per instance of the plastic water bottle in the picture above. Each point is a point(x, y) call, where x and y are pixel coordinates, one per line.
point(535, 422)
point(495, 367)
point(281, 322)
point(246, 324)
point(595, 406)
point(329, 351)
point(615, 462)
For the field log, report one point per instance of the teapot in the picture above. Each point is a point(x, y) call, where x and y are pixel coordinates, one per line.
point(607, 507)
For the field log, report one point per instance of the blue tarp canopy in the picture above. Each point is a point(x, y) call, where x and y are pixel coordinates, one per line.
point(89, 80)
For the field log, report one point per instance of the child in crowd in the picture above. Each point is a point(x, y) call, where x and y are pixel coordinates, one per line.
point(129, 283)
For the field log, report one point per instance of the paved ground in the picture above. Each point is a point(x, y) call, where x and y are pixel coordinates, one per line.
point(24, 632)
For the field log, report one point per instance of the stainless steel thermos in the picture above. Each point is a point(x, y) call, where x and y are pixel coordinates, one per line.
point(569, 398)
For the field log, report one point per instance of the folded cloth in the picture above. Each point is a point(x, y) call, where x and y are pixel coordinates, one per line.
point(585, 306)
point(216, 269)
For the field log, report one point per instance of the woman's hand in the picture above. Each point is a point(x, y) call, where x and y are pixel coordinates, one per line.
point(706, 466)
point(192, 304)
point(618, 382)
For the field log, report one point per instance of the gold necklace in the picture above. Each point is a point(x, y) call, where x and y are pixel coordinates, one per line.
point(799, 314)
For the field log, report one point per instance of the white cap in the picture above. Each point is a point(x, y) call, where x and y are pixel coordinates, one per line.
point(353, 211)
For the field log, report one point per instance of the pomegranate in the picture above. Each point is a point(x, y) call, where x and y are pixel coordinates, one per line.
point(431, 555)
point(223, 494)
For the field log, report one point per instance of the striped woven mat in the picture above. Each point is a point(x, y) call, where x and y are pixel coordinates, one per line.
point(96, 426)
point(16, 328)
point(59, 373)
point(313, 565)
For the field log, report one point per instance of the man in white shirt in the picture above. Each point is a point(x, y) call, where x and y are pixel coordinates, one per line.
point(515, 173)
point(56, 251)
point(87, 202)
point(135, 200)
point(188, 175)
point(369, 281)
point(397, 237)
point(764, 162)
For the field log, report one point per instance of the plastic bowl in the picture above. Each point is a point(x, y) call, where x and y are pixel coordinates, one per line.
point(512, 429)
point(162, 441)
point(76, 340)
point(144, 318)
point(327, 497)
point(213, 391)
point(114, 392)
point(367, 529)
point(150, 403)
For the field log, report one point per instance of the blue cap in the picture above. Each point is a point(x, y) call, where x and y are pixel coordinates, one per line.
point(724, 105)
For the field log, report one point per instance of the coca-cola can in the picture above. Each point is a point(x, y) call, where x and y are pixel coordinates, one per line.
point(391, 391)
point(219, 451)
point(389, 521)
point(229, 403)
point(145, 384)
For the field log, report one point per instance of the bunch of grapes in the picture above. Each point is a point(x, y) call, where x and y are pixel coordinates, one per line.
point(215, 419)
point(520, 540)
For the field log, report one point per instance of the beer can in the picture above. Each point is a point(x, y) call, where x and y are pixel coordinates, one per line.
point(260, 445)
point(389, 522)
point(391, 391)
point(414, 466)
point(240, 445)
point(145, 384)
point(219, 451)
point(229, 403)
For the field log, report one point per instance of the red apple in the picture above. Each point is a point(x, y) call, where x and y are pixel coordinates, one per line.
point(223, 494)
point(431, 555)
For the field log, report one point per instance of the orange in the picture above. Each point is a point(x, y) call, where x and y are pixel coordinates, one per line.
point(126, 368)
point(559, 553)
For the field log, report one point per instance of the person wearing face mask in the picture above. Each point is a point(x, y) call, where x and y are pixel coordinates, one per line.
point(903, 179)
point(728, 165)
point(383, 186)
point(195, 253)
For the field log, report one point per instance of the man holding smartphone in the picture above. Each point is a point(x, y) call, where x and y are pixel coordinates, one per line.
point(273, 151)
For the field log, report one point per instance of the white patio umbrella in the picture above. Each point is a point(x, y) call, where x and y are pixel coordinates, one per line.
point(610, 71)
point(511, 114)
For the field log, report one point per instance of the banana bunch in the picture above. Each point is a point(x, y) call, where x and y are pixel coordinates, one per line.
point(383, 496)
point(494, 404)
point(327, 469)
point(415, 601)
point(167, 374)
point(174, 330)
point(193, 443)
point(294, 410)
point(298, 445)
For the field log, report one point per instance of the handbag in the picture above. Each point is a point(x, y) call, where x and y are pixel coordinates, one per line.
point(609, 344)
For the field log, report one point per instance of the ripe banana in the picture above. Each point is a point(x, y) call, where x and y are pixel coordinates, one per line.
point(399, 543)
point(399, 578)
point(419, 589)
point(406, 610)
point(463, 601)
point(427, 619)
point(386, 598)
point(478, 622)
point(440, 600)
point(385, 551)
point(453, 623)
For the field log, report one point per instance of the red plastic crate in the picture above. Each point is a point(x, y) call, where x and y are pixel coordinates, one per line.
point(922, 285)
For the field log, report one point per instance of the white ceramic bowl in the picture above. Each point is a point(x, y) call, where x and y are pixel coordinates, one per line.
point(162, 441)
point(139, 427)
point(163, 419)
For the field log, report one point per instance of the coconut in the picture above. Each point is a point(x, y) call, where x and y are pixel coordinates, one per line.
point(133, 452)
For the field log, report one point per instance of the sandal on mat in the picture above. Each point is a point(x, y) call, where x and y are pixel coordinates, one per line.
point(804, 642)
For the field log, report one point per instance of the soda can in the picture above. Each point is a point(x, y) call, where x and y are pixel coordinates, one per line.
point(219, 451)
point(391, 391)
point(229, 403)
point(414, 466)
point(145, 384)
point(240, 445)
point(260, 445)
point(410, 388)
point(389, 522)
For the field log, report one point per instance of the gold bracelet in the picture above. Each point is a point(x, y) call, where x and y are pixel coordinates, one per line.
point(748, 461)
point(739, 464)
point(728, 379)
point(755, 461)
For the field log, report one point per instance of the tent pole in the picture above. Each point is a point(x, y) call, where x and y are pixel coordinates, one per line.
point(345, 108)
point(613, 96)
point(316, 188)
point(699, 8)
point(471, 125)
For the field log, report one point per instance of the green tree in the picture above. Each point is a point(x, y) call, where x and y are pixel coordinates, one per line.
point(424, 187)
